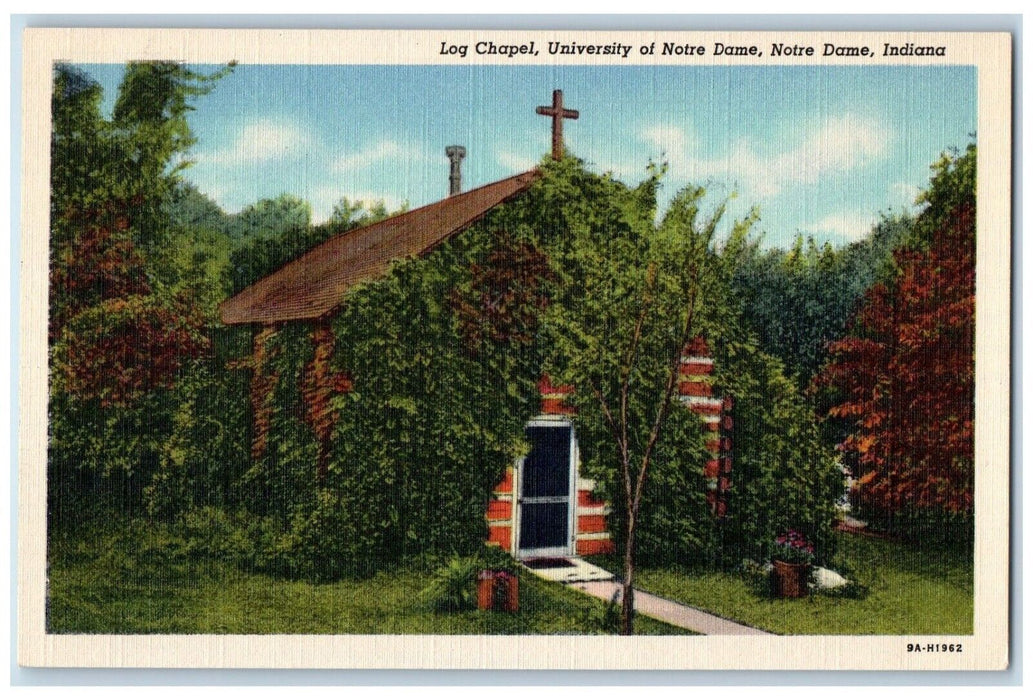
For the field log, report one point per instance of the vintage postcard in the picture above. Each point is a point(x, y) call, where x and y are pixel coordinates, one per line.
point(515, 349)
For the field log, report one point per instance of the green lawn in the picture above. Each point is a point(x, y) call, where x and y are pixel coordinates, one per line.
point(909, 591)
point(97, 588)
point(108, 592)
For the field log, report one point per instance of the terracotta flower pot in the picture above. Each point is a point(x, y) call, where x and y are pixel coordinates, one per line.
point(498, 590)
point(790, 580)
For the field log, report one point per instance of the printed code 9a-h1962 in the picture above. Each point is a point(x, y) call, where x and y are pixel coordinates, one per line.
point(932, 647)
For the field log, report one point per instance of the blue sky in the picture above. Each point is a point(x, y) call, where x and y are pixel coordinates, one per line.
point(820, 150)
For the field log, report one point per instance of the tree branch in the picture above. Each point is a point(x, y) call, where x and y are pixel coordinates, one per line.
point(629, 360)
point(619, 435)
point(672, 376)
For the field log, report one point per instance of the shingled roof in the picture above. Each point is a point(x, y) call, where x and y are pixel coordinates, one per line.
point(316, 282)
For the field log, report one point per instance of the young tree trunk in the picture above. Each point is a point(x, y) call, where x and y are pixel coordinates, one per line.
point(628, 591)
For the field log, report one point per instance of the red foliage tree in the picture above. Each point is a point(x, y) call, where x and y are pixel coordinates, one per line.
point(99, 264)
point(120, 323)
point(905, 375)
point(124, 348)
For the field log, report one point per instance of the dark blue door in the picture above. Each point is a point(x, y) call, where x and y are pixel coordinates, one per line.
point(545, 488)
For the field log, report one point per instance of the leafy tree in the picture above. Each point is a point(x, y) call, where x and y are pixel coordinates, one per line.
point(799, 300)
point(636, 294)
point(123, 324)
point(903, 379)
point(149, 122)
point(191, 209)
point(623, 343)
point(269, 234)
point(348, 214)
point(279, 217)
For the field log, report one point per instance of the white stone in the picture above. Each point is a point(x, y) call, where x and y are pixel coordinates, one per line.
point(827, 578)
point(854, 522)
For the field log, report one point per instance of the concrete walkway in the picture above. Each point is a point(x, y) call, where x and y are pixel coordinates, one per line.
point(667, 610)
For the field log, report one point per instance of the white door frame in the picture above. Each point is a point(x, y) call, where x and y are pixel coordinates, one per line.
point(568, 549)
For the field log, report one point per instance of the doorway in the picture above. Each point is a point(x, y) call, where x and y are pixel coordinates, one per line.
point(547, 479)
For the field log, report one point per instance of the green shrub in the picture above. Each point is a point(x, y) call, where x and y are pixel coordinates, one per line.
point(213, 533)
point(783, 476)
point(453, 587)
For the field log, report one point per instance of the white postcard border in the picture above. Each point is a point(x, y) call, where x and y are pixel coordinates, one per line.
point(989, 52)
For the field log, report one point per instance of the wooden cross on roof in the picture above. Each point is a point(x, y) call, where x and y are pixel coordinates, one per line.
point(558, 114)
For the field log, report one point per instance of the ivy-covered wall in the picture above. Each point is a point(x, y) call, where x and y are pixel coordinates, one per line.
point(392, 420)
point(382, 430)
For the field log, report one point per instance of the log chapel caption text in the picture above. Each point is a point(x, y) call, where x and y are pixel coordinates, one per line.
point(688, 50)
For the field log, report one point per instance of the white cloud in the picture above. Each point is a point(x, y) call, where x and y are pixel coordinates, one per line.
point(838, 145)
point(851, 226)
point(516, 161)
point(669, 139)
point(380, 151)
point(262, 141)
point(368, 155)
point(832, 147)
point(905, 191)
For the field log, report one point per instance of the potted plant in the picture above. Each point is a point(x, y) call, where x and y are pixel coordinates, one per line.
point(498, 590)
point(497, 583)
point(791, 556)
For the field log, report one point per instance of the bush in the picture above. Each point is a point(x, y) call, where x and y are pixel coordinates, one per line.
point(929, 527)
point(783, 476)
point(453, 587)
point(339, 536)
point(213, 533)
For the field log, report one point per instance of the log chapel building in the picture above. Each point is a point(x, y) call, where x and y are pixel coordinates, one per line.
point(542, 507)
